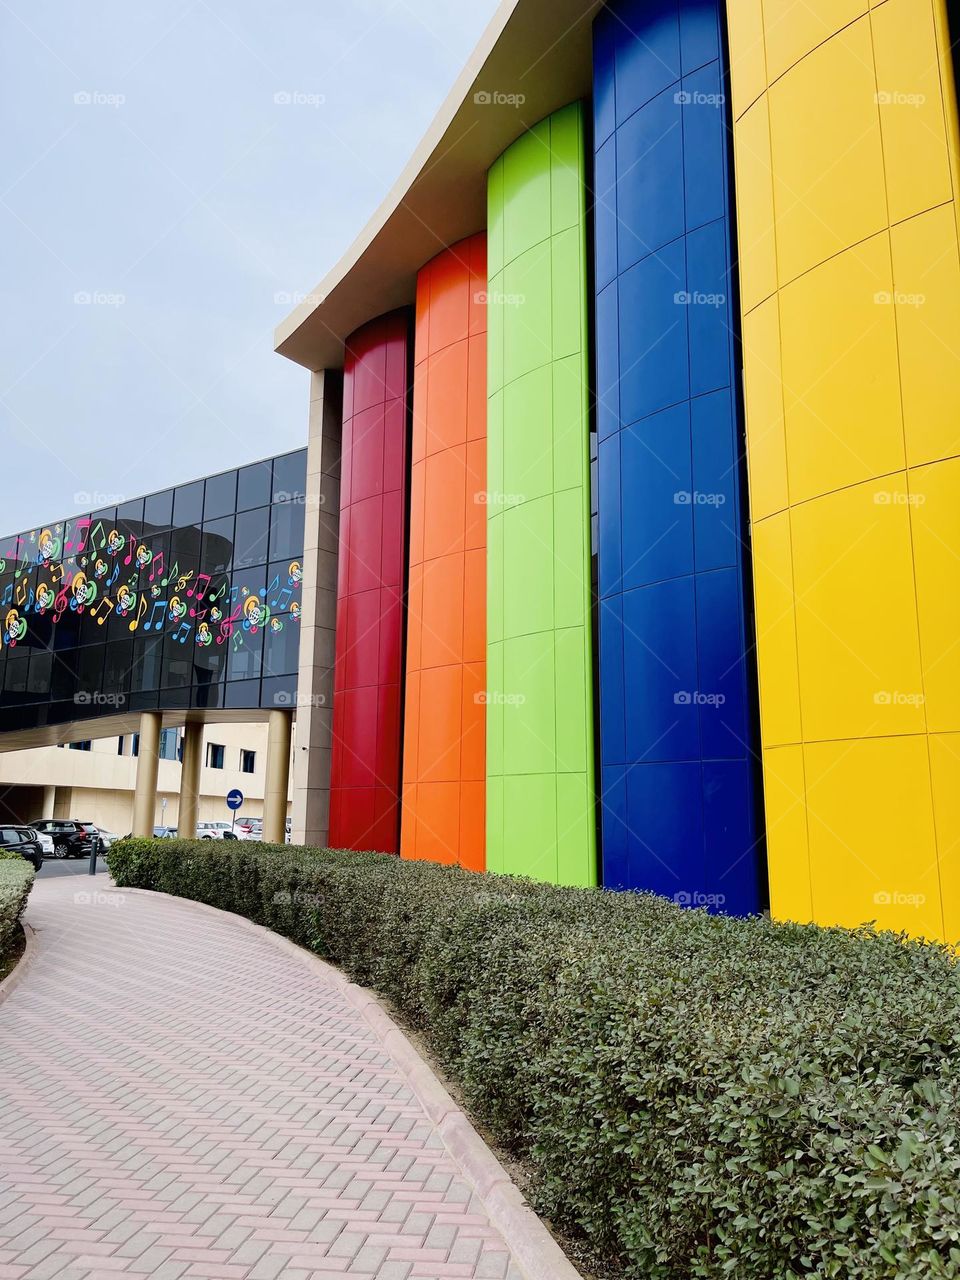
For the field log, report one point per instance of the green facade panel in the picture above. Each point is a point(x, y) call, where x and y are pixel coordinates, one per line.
point(540, 776)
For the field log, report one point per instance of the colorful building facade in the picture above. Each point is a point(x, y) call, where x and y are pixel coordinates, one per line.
point(721, 445)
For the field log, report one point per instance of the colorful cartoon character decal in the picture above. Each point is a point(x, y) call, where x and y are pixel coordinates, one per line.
point(115, 541)
point(144, 555)
point(48, 547)
point(204, 634)
point(154, 591)
point(295, 573)
point(256, 614)
point(177, 609)
point(45, 597)
point(83, 591)
point(295, 611)
point(276, 624)
point(126, 600)
point(14, 627)
point(99, 568)
point(216, 614)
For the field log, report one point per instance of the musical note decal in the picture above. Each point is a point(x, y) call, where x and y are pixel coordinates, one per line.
point(141, 610)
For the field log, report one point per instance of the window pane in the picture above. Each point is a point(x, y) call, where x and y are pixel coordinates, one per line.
point(253, 486)
point(220, 497)
point(290, 476)
point(250, 539)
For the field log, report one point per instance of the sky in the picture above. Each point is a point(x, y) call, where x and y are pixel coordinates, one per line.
point(175, 175)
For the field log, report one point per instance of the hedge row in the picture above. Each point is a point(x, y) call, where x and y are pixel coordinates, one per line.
point(16, 877)
point(692, 1095)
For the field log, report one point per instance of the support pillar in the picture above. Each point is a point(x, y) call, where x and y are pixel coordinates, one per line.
point(49, 801)
point(189, 807)
point(278, 777)
point(148, 763)
point(314, 700)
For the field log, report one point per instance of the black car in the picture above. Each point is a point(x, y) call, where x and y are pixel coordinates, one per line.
point(70, 839)
point(24, 841)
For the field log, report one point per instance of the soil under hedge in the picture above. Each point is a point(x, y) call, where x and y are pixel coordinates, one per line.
point(692, 1095)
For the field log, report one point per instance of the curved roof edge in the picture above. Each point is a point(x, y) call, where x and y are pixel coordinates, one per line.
point(534, 57)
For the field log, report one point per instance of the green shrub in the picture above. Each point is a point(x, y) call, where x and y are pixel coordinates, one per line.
point(16, 877)
point(693, 1095)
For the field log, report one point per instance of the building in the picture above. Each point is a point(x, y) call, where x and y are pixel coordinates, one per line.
point(632, 479)
point(94, 780)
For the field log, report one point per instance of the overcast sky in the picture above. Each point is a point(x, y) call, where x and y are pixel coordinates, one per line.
point(163, 203)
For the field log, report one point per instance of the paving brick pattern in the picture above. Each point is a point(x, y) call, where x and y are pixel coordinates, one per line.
point(181, 1098)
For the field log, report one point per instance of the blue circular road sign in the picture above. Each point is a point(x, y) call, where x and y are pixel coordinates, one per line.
point(234, 798)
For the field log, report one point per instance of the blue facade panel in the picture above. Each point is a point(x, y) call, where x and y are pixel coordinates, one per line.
point(677, 738)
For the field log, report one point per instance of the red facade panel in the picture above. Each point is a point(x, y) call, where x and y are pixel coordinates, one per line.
point(368, 670)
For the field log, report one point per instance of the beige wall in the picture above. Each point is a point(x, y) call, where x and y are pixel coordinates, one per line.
point(97, 785)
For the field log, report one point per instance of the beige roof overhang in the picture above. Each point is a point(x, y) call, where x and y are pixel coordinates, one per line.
point(540, 49)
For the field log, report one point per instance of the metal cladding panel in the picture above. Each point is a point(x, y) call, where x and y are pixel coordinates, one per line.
point(847, 168)
point(368, 668)
point(540, 761)
point(444, 718)
point(677, 742)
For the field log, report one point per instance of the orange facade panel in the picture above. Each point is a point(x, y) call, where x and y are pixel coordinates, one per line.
point(444, 727)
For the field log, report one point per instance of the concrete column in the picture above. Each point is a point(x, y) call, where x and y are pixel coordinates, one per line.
point(277, 781)
point(148, 764)
point(49, 801)
point(314, 733)
point(189, 807)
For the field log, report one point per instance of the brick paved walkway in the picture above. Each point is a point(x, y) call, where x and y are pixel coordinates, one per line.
point(180, 1097)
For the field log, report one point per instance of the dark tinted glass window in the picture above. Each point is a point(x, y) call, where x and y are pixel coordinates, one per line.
point(38, 680)
point(188, 504)
point(253, 486)
point(290, 476)
point(220, 498)
point(244, 660)
point(158, 510)
point(250, 538)
point(282, 646)
point(217, 555)
point(286, 530)
point(146, 663)
point(117, 666)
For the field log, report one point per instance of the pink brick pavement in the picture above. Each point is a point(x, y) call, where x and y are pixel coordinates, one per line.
point(181, 1097)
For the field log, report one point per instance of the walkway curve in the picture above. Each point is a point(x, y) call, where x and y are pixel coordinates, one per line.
point(186, 1094)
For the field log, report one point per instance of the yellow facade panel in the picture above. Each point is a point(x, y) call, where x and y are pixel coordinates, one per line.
point(827, 158)
point(915, 151)
point(755, 226)
point(776, 631)
point(935, 513)
point(763, 392)
point(840, 376)
point(856, 617)
point(748, 66)
point(945, 776)
point(926, 281)
point(794, 27)
point(788, 858)
point(872, 844)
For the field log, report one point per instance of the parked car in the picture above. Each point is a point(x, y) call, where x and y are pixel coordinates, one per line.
point(24, 841)
point(107, 838)
point(165, 833)
point(46, 842)
point(70, 839)
point(249, 828)
point(216, 831)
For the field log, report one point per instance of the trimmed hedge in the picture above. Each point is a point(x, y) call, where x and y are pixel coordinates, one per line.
point(690, 1094)
point(16, 877)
